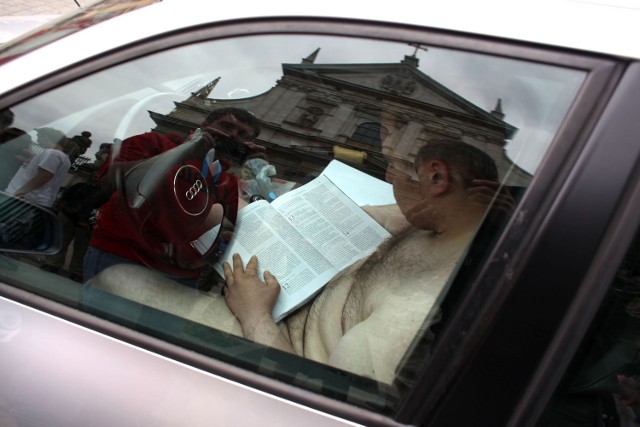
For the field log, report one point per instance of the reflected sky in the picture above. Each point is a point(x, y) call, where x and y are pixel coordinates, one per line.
point(114, 103)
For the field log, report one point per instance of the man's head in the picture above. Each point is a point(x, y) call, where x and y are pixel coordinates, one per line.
point(240, 126)
point(464, 160)
point(6, 118)
point(12, 134)
point(83, 140)
point(50, 137)
point(443, 168)
point(103, 152)
point(70, 148)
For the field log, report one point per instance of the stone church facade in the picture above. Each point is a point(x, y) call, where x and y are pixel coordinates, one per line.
point(317, 112)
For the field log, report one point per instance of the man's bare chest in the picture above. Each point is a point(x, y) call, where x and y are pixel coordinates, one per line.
point(415, 265)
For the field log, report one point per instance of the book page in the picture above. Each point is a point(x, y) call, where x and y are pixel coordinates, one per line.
point(300, 269)
point(304, 238)
point(331, 221)
point(363, 189)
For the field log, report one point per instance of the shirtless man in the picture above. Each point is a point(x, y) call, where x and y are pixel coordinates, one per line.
point(365, 319)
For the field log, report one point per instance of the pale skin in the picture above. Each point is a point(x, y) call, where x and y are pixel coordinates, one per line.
point(251, 300)
point(366, 318)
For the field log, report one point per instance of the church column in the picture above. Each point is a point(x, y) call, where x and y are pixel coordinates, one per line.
point(408, 139)
point(280, 109)
point(339, 122)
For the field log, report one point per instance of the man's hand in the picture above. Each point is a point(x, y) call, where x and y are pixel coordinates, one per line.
point(210, 136)
point(257, 151)
point(250, 299)
point(485, 191)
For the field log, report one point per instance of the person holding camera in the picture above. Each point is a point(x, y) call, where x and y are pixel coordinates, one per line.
point(155, 180)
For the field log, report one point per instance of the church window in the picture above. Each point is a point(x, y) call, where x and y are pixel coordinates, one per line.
point(368, 133)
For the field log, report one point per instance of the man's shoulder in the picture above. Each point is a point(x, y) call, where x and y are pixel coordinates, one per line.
point(172, 137)
point(50, 155)
point(143, 146)
point(388, 216)
point(163, 141)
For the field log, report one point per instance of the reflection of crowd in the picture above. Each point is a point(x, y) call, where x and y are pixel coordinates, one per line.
point(39, 172)
point(76, 205)
point(156, 233)
point(53, 173)
point(39, 180)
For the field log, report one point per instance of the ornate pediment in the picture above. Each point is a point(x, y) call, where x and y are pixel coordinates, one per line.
point(380, 80)
point(399, 83)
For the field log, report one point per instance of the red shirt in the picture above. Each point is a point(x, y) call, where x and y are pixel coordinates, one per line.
point(116, 232)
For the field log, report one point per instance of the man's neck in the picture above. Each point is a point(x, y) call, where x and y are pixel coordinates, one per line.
point(458, 218)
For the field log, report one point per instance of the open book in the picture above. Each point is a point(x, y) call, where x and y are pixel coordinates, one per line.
point(304, 238)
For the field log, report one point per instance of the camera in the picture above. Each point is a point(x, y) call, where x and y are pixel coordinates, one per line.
point(238, 151)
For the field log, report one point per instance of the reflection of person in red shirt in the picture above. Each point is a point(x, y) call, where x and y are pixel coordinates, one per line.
point(118, 237)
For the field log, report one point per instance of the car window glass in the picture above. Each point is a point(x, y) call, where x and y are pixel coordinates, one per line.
point(315, 135)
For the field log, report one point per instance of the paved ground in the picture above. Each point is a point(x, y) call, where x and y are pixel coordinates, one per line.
point(20, 16)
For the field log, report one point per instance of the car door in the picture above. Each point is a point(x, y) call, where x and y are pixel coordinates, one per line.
point(556, 122)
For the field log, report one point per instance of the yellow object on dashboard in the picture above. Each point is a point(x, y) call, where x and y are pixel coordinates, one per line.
point(348, 155)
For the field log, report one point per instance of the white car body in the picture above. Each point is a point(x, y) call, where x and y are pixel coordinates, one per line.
point(160, 391)
point(596, 26)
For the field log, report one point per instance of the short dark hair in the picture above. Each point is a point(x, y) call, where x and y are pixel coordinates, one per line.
point(470, 161)
point(53, 135)
point(241, 114)
point(83, 139)
point(6, 118)
point(68, 145)
point(9, 134)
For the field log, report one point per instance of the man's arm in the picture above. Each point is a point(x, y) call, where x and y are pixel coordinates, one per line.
point(388, 216)
point(491, 192)
point(42, 177)
point(108, 180)
point(252, 300)
point(131, 152)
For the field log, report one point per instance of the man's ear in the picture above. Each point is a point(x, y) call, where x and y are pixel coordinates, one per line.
point(440, 177)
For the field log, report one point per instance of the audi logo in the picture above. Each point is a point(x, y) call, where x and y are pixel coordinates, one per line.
point(194, 190)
